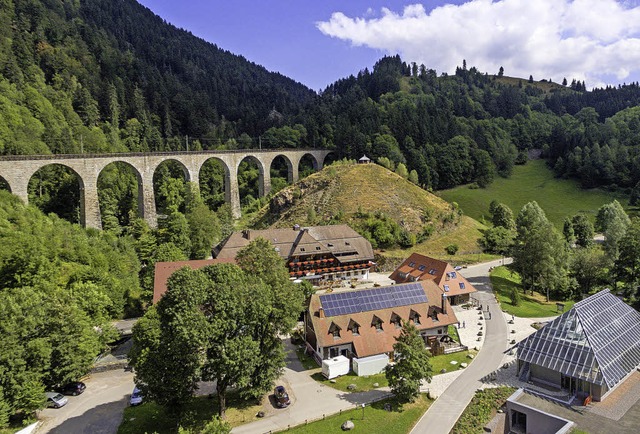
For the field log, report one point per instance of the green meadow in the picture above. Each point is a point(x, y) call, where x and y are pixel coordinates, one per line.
point(534, 181)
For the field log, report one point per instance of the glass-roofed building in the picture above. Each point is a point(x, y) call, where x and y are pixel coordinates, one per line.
point(589, 350)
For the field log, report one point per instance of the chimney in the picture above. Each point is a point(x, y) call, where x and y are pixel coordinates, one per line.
point(246, 233)
point(444, 304)
point(296, 227)
point(321, 312)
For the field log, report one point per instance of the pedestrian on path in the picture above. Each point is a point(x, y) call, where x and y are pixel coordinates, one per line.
point(464, 325)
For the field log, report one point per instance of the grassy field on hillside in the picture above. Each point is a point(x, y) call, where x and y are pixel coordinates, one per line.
point(534, 181)
point(341, 193)
point(531, 306)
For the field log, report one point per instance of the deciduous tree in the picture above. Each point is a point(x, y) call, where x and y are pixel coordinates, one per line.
point(411, 364)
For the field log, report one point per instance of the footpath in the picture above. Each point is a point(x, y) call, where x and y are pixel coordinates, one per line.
point(445, 411)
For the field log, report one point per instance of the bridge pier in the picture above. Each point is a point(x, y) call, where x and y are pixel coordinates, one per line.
point(147, 200)
point(232, 193)
point(89, 205)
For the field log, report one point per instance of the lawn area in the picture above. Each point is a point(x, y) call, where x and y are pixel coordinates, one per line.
point(481, 410)
point(438, 363)
point(376, 419)
point(531, 306)
point(534, 181)
point(307, 361)
point(362, 383)
point(153, 418)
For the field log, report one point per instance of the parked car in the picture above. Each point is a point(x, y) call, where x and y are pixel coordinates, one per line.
point(55, 399)
point(136, 397)
point(281, 396)
point(74, 388)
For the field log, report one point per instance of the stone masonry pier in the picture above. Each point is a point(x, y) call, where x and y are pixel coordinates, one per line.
point(17, 171)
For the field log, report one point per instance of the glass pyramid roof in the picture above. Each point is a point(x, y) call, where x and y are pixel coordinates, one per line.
point(598, 340)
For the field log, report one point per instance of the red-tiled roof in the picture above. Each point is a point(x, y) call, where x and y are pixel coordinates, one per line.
point(370, 341)
point(418, 267)
point(164, 270)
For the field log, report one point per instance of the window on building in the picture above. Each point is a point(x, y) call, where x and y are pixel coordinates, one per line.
point(302, 249)
point(415, 317)
point(446, 288)
point(422, 268)
point(432, 271)
point(377, 323)
point(395, 320)
point(461, 285)
point(334, 330)
point(412, 264)
point(354, 327)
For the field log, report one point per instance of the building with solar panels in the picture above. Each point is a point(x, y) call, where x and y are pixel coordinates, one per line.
point(363, 324)
point(589, 350)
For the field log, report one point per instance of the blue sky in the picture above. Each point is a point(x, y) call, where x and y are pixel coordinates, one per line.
point(317, 42)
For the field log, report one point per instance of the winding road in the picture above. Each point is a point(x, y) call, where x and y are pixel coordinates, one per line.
point(445, 411)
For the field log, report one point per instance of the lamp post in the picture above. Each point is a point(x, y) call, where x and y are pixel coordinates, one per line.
point(362, 410)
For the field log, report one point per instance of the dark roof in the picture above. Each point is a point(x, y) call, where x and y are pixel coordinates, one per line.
point(597, 340)
point(339, 240)
point(348, 302)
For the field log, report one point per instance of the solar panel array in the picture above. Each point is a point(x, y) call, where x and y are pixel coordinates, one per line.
point(346, 303)
point(598, 340)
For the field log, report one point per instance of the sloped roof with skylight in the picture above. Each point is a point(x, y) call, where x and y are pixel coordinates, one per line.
point(598, 340)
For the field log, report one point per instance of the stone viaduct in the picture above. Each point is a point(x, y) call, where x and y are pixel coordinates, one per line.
point(18, 170)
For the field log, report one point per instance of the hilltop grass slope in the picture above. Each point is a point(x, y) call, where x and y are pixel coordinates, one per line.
point(558, 198)
point(351, 193)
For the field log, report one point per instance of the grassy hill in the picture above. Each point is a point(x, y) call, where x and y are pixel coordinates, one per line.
point(534, 181)
point(353, 194)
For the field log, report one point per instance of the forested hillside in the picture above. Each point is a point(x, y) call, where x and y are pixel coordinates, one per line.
point(59, 288)
point(471, 126)
point(103, 75)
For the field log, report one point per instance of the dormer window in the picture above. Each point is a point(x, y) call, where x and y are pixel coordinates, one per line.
point(446, 288)
point(421, 268)
point(432, 271)
point(347, 243)
point(354, 327)
point(412, 264)
point(395, 320)
point(334, 330)
point(434, 315)
point(317, 248)
point(302, 249)
point(461, 285)
point(377, 323)
point(415, 317)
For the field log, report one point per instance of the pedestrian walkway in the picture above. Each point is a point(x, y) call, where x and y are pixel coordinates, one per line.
point(445, 411)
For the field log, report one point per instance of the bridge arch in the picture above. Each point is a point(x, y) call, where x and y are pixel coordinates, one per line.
point(58, 188)
point(167, 175)
point(248, 184)
point(4, 185)
point(214, 182)
point(119, 191)
point(280, 167)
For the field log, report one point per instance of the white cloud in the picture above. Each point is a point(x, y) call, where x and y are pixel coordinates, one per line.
point(583, 39)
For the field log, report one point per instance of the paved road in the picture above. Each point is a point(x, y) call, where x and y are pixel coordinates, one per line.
point(97, 411)
point(445, 411)
point(309, 400)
